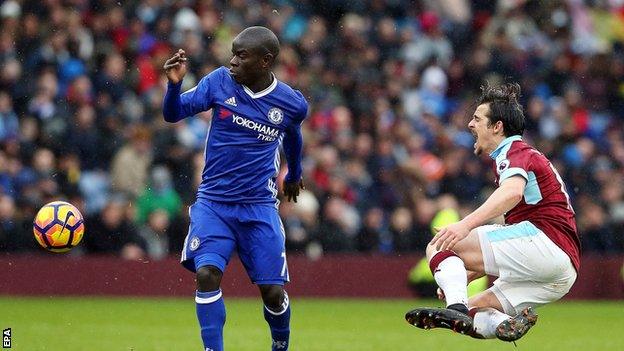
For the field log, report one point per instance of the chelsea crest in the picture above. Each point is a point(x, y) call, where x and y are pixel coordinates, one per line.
point(194, 243)
point(276, 115)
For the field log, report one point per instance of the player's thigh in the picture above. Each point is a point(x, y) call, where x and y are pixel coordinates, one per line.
point(210, 241)
point(468, 249)
point(261, 245)
point(532, 270)
point(521, 252)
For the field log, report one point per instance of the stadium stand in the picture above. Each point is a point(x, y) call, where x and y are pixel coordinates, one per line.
point(389, 83)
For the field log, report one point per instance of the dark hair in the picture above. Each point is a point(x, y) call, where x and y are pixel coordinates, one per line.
point(504, 106)
point(262, 39)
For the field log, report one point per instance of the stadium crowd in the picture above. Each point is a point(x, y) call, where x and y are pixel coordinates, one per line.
point(390, 85)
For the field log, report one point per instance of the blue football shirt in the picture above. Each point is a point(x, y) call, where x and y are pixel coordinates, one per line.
point(247, 128)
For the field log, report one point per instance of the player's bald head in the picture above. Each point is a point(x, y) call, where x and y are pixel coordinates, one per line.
point(258, 39)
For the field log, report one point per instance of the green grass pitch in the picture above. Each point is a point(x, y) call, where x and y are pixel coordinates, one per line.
point(76, 323)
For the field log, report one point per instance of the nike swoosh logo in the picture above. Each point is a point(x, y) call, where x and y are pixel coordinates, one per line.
point(69, 215)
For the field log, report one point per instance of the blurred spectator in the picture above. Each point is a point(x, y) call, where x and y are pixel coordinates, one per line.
point(159, 195)
point(597, 234)
point(372, 231)
point(84, 138)
point(130, 166)
point(155, 234)
point(333, 231)
point(429, 45)
point(9, 127)
point(402, 230)
point(300, 220)
point(12, 227)
point(111, 232)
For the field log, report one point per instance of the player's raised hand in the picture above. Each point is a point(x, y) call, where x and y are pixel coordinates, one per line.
point(291, 189)
point(175, 67)
point(447, 237)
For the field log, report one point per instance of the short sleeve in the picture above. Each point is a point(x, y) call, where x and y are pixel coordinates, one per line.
point(200, 97)
point(513, 163)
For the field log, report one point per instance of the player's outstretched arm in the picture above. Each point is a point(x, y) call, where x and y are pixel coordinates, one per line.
point(175, 68)
point(500, 202)
point(503, 199)
point(293, 148)
point(178, 106)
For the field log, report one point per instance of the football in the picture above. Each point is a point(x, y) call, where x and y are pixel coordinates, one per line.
point(58, 226)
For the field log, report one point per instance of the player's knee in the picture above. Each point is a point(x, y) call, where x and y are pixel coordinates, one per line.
point(430, 251)
point(468, 246)
point(272, 295)
point(208, 278)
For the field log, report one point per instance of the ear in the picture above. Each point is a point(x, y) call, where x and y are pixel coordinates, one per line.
point(498, 127)
point(267, 60)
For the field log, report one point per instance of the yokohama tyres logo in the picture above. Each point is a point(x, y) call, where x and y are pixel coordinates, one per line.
point(265, 133)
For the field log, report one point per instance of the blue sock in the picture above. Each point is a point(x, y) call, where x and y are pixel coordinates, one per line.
point(279, 322)
point(211, 317)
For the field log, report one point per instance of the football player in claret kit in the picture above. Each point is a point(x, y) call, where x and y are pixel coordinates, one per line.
point(535, 255)
point(236, 207)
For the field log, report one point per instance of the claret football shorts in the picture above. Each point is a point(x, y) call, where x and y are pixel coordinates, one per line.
point(531, 269)
point(255, 231)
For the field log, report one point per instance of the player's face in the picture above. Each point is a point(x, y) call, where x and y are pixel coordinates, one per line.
point(484, 132)
point(246, 64)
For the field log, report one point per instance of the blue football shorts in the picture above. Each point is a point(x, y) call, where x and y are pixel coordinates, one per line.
point(255, 231)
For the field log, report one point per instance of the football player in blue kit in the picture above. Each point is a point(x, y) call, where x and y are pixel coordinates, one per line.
point(237, 207)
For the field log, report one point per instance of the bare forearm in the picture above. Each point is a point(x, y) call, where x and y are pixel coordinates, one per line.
point(500, 202)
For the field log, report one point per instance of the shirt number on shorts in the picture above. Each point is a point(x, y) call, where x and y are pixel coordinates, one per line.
point(284, 265)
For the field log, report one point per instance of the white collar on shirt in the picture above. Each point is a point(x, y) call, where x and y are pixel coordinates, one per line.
point(504, 143)
point(264, 92)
